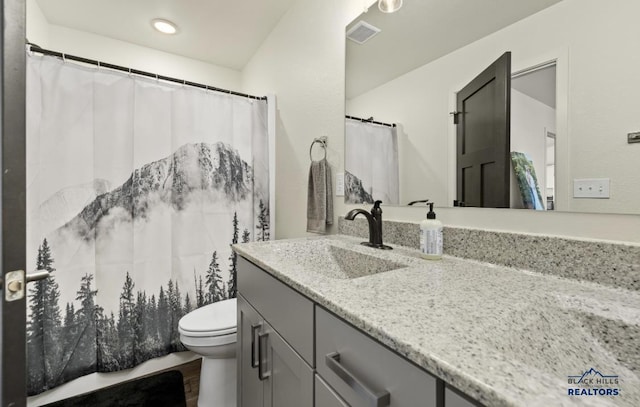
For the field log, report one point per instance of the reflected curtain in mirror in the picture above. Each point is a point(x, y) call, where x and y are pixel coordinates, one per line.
point(371, 163)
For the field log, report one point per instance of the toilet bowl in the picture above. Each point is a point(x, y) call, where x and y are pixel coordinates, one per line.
point(210, 331)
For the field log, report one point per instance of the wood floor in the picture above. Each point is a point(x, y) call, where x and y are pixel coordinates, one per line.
point(191, 375)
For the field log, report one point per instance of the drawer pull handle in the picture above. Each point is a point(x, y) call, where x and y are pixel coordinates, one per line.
point(262, 340)
point(375, 399)
point(254, 329)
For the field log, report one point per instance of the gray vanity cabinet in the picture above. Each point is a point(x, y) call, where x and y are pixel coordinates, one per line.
point(287, 346)
point(272, 320)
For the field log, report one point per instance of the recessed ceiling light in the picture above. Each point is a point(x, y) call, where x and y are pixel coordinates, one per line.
point(389, 6)
point(164, 26)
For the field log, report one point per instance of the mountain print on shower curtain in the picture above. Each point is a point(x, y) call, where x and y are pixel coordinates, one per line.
point(74, 329)
point(216, 169)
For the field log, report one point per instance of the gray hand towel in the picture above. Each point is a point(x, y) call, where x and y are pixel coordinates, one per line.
point(319, 197)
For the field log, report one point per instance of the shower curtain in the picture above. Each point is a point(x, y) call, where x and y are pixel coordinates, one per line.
point(136, 190)
point(371, 163)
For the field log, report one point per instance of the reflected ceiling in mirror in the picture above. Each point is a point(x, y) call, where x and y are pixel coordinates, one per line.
point(423, 31)
point(408, 74)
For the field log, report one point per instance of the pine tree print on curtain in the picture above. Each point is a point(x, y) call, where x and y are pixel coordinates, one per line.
point(137, 190)
point(43, 329)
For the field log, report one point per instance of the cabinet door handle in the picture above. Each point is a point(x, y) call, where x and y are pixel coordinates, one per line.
point(262, 344)
point(254, 329)
point(374, 398)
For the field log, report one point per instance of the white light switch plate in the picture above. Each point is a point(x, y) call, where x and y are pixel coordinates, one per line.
point(597, 188)
point(340, 184)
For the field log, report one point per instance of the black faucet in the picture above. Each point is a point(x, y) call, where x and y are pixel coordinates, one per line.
point(375, 225)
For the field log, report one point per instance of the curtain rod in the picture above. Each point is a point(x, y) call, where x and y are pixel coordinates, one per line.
point(370, 120)
point(38, 49)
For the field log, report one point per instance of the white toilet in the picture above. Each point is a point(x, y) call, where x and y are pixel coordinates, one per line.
point(210, 331)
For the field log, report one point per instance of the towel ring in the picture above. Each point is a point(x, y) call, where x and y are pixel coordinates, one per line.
point(323, 143)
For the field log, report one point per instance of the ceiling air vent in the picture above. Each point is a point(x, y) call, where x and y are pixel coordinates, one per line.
point(362, 32)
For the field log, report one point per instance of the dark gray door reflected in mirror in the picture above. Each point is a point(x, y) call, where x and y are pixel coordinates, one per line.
point(483, 137)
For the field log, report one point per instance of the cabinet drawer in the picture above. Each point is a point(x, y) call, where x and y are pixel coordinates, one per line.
point(325, 396)
point(362, 370)
point(287, 311)
point(455, 399)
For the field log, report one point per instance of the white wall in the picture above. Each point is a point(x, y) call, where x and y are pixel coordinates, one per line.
point(550, 159)
point(597, 77)
point(530, 120)
point(104, 49)
point(37, 25)
point(302, 61)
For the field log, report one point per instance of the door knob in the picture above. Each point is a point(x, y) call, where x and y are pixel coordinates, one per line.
point(15, 281)
point(37, 275)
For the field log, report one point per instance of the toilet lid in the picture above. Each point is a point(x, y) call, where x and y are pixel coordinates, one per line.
point(214, 319)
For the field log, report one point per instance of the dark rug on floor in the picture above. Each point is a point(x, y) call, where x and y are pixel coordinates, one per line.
point(161, 390)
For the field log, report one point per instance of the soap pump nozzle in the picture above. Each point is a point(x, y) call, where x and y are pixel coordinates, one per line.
point(431, 214)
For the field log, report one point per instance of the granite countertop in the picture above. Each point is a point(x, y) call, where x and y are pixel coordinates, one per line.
point(504, 336)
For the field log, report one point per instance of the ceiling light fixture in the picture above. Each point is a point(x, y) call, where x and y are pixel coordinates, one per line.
point(389, 6)
point(164, 26)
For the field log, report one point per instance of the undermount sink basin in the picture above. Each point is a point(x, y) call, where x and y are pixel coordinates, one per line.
point(336, 258)
point(348, 263)
point(339, 262)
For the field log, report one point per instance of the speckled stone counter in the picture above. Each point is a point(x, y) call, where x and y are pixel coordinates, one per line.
point(612, 264)
point(504, 336)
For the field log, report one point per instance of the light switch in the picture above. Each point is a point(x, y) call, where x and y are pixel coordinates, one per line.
point(340, 184)
point(595, 188)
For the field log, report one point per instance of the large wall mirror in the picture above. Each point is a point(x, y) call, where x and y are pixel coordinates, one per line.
point(573, 85)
